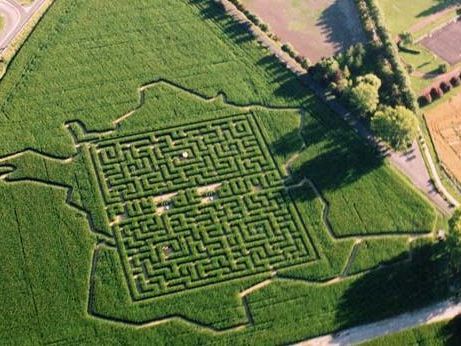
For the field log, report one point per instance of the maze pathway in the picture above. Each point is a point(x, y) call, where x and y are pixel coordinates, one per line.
point(197, 205)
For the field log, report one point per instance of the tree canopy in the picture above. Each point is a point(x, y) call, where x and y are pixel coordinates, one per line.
point(364, 96)
point(397, 126)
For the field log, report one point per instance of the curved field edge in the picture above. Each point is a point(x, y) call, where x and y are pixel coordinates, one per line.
point(35, 221)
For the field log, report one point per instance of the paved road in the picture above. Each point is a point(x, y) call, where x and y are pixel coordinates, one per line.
point(445, 310)
point(411, 164)
point(16, 17)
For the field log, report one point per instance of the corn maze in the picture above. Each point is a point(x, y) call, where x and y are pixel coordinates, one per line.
point(197, 205)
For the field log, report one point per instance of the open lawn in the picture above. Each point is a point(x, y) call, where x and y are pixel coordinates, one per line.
point(414, 16)
point(316, 28)
point(163, 180)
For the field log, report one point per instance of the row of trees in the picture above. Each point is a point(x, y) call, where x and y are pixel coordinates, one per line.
point(394, 123)
point(370, 80)
point(437, 92)
point(302, 60)
point(377, 32)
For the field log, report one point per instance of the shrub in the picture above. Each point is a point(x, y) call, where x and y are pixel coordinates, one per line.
point(424, 100)
point(252, 17)
point(436, 93)
point(289, 49)
point(445, 87)
point(406, 37)
point(410, 68)
point(428, 98)
point(305, 63)
point(443, 68)
point(455, 81)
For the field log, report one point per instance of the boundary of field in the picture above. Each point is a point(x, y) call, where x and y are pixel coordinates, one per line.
point(104, 240)
point(152, 323)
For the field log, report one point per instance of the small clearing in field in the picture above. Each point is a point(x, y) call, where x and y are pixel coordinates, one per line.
point(444, 122)
point(315, 28)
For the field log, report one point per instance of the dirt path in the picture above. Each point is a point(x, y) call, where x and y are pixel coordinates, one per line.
point(16, 17)
point(411, 163)
point(445, 310)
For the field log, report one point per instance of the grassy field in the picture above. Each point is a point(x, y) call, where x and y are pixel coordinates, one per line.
point(98, 80)
point(419, 18)
point(403, 15)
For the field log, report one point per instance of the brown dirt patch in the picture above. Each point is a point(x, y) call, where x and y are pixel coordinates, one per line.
point(445, 42)
point(444, 123)
point(315, 28)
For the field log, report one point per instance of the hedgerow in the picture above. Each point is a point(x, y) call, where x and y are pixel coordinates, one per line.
point(377, 32)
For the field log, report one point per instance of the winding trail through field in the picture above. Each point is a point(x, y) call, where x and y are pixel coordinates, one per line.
point(16, 17)
point(442, 311)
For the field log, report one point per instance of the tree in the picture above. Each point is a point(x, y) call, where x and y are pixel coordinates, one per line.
point(354, 57)
point(443, 68)
point(325, 70)
point(406, 37)
point(397, 126)
point(370, 79)
point(454, 244)
point(364, 96)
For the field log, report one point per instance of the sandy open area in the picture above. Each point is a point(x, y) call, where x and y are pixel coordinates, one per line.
point(444, 122)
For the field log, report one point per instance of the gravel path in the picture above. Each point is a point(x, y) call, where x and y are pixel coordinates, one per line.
point(16, 17)
point(445, 310)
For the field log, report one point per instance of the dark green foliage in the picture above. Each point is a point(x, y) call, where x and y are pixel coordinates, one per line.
point(86, 66)
point(378, 33)
point(443, 68)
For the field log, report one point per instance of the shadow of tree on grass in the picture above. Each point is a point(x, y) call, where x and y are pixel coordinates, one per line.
point(451, 333)
point(340, 25)
point(334, 156)
point(397, 289)
point(440, 5)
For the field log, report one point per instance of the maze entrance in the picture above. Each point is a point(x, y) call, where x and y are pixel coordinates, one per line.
point(197, 205)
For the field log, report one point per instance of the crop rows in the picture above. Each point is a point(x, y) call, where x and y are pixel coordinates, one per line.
point(197, 205)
